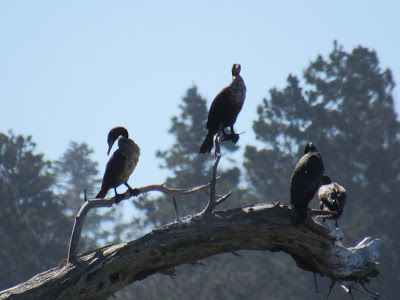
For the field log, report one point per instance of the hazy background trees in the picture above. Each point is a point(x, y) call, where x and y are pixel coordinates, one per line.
point(343, 103)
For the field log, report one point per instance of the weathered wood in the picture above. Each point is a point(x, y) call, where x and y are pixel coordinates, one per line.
point(212, 202)
point(99, 273)
point(108, 202)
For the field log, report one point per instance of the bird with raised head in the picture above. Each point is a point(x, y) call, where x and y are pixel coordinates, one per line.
point(121, 164)
point(305, 181)
point(224, 110)
point(332, 197)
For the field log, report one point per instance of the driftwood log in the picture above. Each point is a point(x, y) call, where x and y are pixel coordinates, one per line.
point(99, 273)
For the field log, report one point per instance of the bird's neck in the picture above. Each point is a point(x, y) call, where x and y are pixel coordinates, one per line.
point(237, 82)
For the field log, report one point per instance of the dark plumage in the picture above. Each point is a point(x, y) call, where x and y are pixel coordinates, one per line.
point(224, 110)
point(332, 197)
point(121, 164)
point(305, 182)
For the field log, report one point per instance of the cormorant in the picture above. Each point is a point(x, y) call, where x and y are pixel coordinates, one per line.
point(224, 110)
point(332, 197)
point(305, 181)
point(121, 164)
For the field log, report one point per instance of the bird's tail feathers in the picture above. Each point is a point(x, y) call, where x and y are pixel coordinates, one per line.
point(102, 193)
point(299, 215)
point(208, 143)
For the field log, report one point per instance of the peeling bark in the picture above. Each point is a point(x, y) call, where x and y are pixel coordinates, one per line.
point(99, 273)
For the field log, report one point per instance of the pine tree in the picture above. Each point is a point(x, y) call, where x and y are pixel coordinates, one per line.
point(33, 229)
point(75, 171)
point(346, 109)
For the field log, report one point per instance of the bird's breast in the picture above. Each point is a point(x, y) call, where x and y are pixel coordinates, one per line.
point(131, 161)
point(238, 92)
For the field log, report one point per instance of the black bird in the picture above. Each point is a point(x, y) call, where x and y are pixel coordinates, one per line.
point(305, 181)
point(332, 197)
point(224, 110)
point(121, 164)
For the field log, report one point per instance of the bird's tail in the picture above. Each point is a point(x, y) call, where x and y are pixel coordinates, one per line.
point(208, 142)
point(102, 193)
point(299, 215)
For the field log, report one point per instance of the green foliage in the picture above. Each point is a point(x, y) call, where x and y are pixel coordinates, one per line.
point(346, 110)
point(33, 230)
point(75, 172)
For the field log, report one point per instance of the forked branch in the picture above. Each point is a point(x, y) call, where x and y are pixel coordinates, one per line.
point(212, 202)
point(108, 202)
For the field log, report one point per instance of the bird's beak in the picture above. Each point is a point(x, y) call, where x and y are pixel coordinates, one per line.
point(109, 147)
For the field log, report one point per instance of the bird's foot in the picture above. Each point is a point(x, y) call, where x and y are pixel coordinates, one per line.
point(134, 192)
point(235, 138)
point(119, 198)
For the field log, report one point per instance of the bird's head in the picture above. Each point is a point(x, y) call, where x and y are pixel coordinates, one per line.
point(325, 179)
point(236, 69)
point(114, 134)
point(310, 148)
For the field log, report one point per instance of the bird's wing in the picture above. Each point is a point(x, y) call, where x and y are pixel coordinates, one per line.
point(114, 166)
point(217, 109)
point(306, 179)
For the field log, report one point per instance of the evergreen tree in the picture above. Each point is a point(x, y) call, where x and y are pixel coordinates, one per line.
point(34, 232)
point(346, 110)
point(75, 171)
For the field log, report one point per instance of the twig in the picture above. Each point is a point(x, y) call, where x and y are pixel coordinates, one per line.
point(315, 283)
point(349, 287)
point(212, 203)
point(108, 202)
point(177, 219)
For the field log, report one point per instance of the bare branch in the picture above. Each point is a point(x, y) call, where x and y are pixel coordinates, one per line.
point(108, 202)
point(212, 203)
point(99, 273)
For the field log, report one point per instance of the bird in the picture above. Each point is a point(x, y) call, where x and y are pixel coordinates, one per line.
point(121, 164)
point(332, 197)
point(305, 181)
point(225, 109)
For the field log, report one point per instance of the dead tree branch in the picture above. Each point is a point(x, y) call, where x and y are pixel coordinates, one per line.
point(99, 273)
point(212, 202)
point(108, 202)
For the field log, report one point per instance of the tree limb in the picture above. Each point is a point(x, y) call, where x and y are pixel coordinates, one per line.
point(108, 202)
point(99, 273)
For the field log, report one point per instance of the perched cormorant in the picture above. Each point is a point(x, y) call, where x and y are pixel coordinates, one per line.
point(225, 109)
point(332, 197)
point(121, 164)
point(305, 181)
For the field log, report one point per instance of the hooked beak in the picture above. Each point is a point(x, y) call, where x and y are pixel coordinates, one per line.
point(109, 147)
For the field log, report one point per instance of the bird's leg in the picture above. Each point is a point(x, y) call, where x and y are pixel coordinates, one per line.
point(118, 197)
point(134, 192)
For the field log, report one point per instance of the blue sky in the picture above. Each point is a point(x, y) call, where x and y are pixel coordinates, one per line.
point(72, 70)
